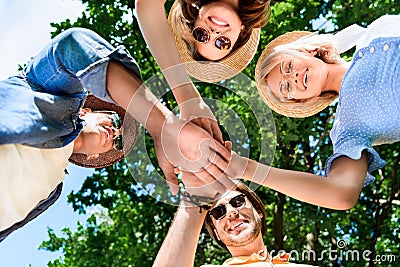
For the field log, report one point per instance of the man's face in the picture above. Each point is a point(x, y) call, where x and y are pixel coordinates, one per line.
point(241, 225)
point(99, 132)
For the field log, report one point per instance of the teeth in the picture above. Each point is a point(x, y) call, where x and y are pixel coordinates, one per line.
point(218, 22)
point(305, 79)
point(236, 225)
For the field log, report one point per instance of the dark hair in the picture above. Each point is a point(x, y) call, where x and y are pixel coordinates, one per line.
point(252, 13)
point(254, 200)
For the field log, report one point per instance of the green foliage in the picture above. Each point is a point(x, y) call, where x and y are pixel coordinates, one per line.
point(129, 226)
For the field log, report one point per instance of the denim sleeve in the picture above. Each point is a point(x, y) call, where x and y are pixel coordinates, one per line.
point(74, 61)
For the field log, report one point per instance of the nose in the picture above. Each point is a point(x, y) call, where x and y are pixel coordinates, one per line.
point(215, 31)
point(231, 211)
point(291, 76)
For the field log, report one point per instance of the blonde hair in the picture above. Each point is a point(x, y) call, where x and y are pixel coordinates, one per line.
point(323, 47)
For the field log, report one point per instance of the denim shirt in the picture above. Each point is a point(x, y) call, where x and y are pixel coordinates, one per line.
point(40, 106)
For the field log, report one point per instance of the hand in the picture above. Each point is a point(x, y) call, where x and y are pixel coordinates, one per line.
point(198, 112)
point(195, 186)
point(237, 164)
point(193, 149)
point(203, 187)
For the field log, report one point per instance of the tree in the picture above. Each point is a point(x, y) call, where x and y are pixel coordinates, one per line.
point(131, 225)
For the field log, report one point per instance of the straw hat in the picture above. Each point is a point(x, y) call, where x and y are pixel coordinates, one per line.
point(209, 71)
point(129, 137)
point(286, 109)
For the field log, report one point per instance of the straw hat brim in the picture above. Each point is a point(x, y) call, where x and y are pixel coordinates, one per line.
point(129, 135)
point(209, 71)
point(286, 109)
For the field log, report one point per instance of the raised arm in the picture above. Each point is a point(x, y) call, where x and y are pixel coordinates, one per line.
point(176, 143)
point(159, 38)
point(179, 247)
point(340, 190)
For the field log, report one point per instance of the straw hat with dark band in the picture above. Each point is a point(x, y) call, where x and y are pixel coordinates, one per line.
point(286, 109)
point(110, 157)
point(209, 71)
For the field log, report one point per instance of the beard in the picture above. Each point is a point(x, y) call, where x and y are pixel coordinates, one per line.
point(245, 237)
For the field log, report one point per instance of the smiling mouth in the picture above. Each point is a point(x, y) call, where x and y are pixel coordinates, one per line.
point(218, 21)
point(236, 225)
point(305, 78)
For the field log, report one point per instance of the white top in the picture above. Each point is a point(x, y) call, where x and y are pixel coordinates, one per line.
point(27, 176)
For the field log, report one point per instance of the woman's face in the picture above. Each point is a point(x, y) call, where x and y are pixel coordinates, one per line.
point(298, 77)
point(219, 19)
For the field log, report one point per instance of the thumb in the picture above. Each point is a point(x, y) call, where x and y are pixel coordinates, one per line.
point(171, 179)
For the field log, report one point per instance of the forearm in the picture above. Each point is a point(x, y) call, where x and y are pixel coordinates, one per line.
point(340, 190)
point(128, 91)
point(179, 247)
point(159, 38)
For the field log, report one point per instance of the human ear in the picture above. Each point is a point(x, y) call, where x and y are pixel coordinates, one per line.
point(92, 156)
point(328, 54)
point(260, 214)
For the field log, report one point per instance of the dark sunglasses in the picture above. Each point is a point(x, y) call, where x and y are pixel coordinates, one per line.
point(116, 123)
point(219, 212)
point(201, 35)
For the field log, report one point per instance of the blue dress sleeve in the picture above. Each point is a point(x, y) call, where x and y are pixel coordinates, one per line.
point(352, 147)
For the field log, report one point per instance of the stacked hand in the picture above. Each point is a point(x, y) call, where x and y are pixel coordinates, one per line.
point(196, 146)
point(193, 149)
point(198, 112)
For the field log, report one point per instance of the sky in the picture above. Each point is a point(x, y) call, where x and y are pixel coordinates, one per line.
point(25, 29)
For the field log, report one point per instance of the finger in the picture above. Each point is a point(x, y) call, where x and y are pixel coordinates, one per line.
point(171, 179)
point(195, 186)
point(177, 170)
point(221, 150)
point(216, 132)
point(228, 145)
point(210, 183)
point(219, 162)
point(205, 124)
point(220, 177)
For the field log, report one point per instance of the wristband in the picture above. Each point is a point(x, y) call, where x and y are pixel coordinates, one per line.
point(200, 201)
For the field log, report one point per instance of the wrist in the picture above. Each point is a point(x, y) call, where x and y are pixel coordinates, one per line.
point(166, 123)
point(237, 166)
point(196, 201)
point(186, 93)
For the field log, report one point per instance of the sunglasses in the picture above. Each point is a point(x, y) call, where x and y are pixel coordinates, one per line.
point(237, 202)
point(201, 35)
point(116, 123)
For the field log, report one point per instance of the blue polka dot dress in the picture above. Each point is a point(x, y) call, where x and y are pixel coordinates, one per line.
point(368, 112)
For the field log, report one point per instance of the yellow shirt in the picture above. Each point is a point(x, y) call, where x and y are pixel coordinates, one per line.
point(255, 261)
